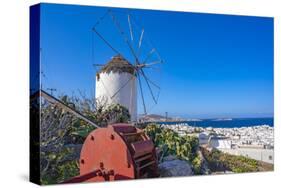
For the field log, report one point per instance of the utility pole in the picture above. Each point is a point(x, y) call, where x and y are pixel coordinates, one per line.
point(41, 73)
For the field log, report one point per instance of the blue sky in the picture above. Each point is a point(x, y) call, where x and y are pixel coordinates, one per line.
point(215, 65)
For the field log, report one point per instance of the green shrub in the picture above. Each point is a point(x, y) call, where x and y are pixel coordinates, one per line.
point(219, 161)
point(196, 162)
point(184, 147)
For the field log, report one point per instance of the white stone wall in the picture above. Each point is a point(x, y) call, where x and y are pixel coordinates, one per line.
point(108, 84)
point(220, 143)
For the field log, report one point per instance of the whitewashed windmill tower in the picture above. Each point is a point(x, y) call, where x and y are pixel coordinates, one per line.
point(116, 83)
point(118, 79)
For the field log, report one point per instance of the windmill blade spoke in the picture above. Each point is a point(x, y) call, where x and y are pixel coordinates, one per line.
point(149, 87)
point(141, 36)
point(150, 81)
point(153, 68)
point(152, 63)
point(158, 55)
point(142, 96)
point(122, 87)
point(140, 41)
point(149, 55)
point(105, 41)
point(130, 27)
point(101, 18)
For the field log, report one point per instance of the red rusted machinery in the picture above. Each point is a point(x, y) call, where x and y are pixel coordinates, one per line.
point(118, 152)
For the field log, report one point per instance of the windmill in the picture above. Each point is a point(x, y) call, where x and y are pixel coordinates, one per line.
point(134, 65)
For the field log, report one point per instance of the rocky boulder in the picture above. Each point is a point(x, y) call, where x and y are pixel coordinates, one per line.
point(175, 167)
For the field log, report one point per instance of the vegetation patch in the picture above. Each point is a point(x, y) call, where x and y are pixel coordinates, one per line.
point(171, 143)
point(219, 161)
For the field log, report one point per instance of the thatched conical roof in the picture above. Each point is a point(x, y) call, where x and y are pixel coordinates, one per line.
point(117, 64)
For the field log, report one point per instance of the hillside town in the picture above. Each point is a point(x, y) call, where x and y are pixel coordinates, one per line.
point(255, 142)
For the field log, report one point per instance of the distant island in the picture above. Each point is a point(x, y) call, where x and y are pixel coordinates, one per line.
point(210, 122)
point(160, 118)
point(223, 119)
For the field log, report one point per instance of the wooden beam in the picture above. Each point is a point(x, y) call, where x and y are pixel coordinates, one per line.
point(53, 99)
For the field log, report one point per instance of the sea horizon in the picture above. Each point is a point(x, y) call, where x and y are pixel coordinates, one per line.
point(225, 122)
